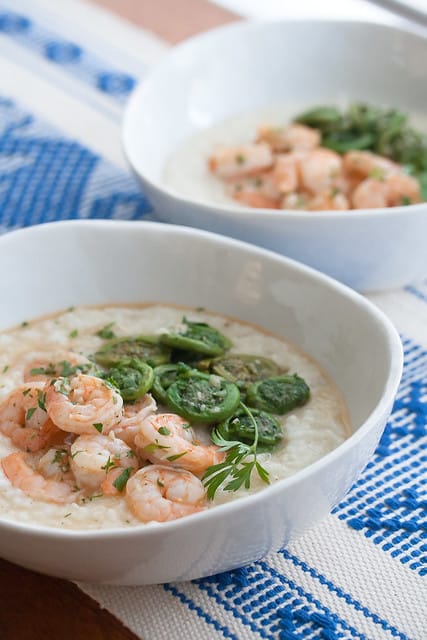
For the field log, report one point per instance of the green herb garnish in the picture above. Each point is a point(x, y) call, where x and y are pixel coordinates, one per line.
point(29, 413)
point(106, 332)
point(41, 399)
point(240, 461)
point(176, 456)
point(121, 481)
point(98, 426)
point(110, 464)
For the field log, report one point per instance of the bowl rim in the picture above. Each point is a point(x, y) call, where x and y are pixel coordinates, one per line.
point(136, 101)
point(390, 387)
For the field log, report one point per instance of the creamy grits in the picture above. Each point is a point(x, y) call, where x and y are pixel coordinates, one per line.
point(309, 431)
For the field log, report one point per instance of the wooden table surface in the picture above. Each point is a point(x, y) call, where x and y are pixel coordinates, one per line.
point(37, 607)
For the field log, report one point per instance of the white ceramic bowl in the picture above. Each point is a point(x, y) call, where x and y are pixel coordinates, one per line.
point(248, 66)
point(53, 266)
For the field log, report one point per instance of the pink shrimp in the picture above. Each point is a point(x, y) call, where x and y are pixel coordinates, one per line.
point(133, 415)
point(320, 170)
point(296, 137)
point(402, 189)
point(241, 160)
point(259, 191)
point(366, 163)
point(168, 439)
point(329, 200)
point(83, 404)
point(159, 493)
point(97, 461)
point(33, 484)
point(23, 417)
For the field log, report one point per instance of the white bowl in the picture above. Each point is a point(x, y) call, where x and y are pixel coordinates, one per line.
point(53, 266)
point(245, 67)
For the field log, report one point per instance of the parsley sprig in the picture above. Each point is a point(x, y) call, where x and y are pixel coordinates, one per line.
point(240, 461)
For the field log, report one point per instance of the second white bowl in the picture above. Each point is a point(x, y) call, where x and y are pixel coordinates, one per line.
point(248, 66)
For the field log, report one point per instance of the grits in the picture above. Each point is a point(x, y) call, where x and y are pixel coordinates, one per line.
point(310, 431)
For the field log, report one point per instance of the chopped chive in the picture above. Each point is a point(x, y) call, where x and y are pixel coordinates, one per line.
point(176, 456)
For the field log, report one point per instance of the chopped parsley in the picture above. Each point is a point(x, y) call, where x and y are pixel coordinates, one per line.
point(164, 431)
point(60, 460)
point(109, 465)
point(41, 399)
point(59, 453)
point(121, 481)
point(29, 413)
point(74, 333)
point(5, 368)
point(106, 332)
point(98, 426)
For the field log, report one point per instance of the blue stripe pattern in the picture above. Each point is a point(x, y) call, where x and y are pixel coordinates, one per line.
point(73, 59)
point(45, 176)
point(388, 504)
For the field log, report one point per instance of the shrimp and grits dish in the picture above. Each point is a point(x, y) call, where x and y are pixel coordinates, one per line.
point(121, 415)
point(324, 160)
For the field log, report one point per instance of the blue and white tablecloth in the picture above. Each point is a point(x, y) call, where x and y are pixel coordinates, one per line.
point(358, 574)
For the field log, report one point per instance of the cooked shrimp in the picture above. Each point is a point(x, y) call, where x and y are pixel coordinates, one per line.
point(370, 194)
point(158, 493)
point(96, 459)
point(24, 477)
point(286, 171)
point(366, 163)
point(402, 189)
point(55, 464)
point(329, 200)
point(133, 415)
point(47, 366)
point(23, 417)
point(320, 170)
point(83, 404)
point(296, 137)
point(168, 439)
point(241, 160)
point(259, 191)
point(391, 191)
point(295, 201)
